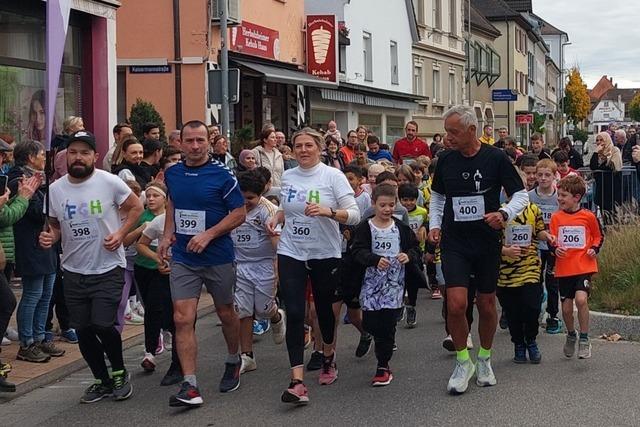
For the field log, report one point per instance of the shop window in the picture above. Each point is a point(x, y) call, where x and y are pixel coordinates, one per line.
point(373, 122)
point(395, 129)
point(320, 119)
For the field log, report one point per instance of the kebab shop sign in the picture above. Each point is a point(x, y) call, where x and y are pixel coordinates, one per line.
point(253, 39)
point(322, 47)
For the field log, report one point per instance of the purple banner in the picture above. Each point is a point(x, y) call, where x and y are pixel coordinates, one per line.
point(57, 24)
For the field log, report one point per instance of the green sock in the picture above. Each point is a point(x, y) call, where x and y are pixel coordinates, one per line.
point(462, 355)
point(483, 353)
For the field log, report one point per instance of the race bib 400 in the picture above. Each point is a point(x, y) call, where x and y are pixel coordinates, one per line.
point(469, 208)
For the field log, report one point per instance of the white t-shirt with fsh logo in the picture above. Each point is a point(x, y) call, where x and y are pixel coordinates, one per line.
point(88, 212)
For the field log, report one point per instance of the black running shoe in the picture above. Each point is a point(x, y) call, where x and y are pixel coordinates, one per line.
point(122, 388)
point(315, 363)
point(411, 317)
point(97, 391)
point(231, 379)
point(363, 346)
point(503, 321)
point(188, 396)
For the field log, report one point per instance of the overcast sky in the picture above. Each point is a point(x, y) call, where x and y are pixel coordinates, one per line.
point(605, 37)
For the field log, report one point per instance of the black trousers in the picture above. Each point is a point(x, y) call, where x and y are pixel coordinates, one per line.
point(415, 280)
point(550, 282)
point(155, 293)
point(7, 304)
point(324, 275)
point(381, 324)
point(523, 308)
point(59, 305)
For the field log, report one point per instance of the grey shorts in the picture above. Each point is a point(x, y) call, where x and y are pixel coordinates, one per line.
point(93, 299)
point(186, 282)
point(256, 289)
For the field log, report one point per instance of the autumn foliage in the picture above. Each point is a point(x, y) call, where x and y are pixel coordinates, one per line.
point(577, 103)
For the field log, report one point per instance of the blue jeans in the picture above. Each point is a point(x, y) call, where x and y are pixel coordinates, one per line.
point(34, 307)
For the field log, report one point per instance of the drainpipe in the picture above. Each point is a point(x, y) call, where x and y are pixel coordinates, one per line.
point(177, 58)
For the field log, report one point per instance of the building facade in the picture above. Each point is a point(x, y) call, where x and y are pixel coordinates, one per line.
point(88, 81)
point(438, 61)
point(375, 73)
point(484, 66)
point(171, 67)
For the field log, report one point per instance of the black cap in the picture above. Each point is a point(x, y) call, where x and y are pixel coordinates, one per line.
point(83, 136)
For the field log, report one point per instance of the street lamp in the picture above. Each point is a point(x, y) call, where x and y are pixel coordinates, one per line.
point(562, 82)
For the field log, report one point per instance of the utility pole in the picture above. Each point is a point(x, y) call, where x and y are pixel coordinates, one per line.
point(224, 66)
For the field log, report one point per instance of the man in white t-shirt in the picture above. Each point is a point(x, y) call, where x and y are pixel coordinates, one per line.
point(84, 212)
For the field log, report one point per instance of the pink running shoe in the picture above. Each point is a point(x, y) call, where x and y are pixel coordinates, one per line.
point(296, 393)
point(160, 348)
point(329, 373)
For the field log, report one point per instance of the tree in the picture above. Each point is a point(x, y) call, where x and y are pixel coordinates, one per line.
point(539, 120)
point(634, 108)
point(577, 103)
point(144, 112)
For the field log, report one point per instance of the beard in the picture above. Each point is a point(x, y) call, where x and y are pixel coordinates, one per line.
point(77, 170)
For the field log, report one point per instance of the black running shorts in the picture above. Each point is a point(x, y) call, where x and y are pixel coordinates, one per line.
point(472, 255)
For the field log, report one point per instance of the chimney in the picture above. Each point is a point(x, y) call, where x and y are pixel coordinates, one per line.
point(610, 79)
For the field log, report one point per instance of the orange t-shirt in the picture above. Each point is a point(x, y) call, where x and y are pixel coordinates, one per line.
point(577, 232)
point(348, 154)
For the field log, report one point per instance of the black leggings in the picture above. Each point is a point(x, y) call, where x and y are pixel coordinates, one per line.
point(59, 305)
point(550, 282)
point(155, 293)
point(523, 308)
point(324, 275)
point(7, 304)
point(95, 342)
point(415, 280)
point(382, 325)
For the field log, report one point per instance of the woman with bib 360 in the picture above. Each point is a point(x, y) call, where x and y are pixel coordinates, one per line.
point(314, 199)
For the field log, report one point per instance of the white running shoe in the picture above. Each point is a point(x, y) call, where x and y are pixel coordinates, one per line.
point(459, 380)
point(6, 341)
point(279, 329)
point(138, 308)
point(12, 334)
point(248, 363)
point(485, 376)
point(168, 340)
point(148, 362)
point(132, 318)
point(469, 342)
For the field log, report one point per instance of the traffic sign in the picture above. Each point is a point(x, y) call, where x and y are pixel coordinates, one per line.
point(215, 86)
point(524, 119)
point(498, 95)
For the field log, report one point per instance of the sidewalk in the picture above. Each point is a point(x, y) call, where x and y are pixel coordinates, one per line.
point(28, 376)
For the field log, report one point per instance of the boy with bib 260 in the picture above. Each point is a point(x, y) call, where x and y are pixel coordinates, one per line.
point(519, 286)
point(577, 240)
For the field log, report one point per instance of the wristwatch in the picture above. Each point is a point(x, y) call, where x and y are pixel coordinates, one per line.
point(333, 213)
point(505, 215)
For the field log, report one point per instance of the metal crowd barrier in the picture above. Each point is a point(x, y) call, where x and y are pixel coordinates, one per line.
point(613, 196)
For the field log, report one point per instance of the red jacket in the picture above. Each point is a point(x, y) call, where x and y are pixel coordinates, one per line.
point(404, 148)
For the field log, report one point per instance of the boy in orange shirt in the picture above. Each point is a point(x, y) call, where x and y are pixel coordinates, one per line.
point(577, 239)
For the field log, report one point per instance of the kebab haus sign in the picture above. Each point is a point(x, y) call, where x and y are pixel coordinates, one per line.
point(322, 47)
point(256, 40)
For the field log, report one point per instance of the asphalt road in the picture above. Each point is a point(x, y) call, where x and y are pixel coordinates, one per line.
point(599, 391)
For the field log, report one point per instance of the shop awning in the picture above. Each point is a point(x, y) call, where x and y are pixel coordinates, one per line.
point(286, 76)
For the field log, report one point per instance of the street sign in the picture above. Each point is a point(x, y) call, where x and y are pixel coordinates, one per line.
point(498, 95)
point(524, 119)
point(150, 69)
point(215, 86)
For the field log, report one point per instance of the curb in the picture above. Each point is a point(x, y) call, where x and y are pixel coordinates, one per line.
point(76, 365)
point(604, 323)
